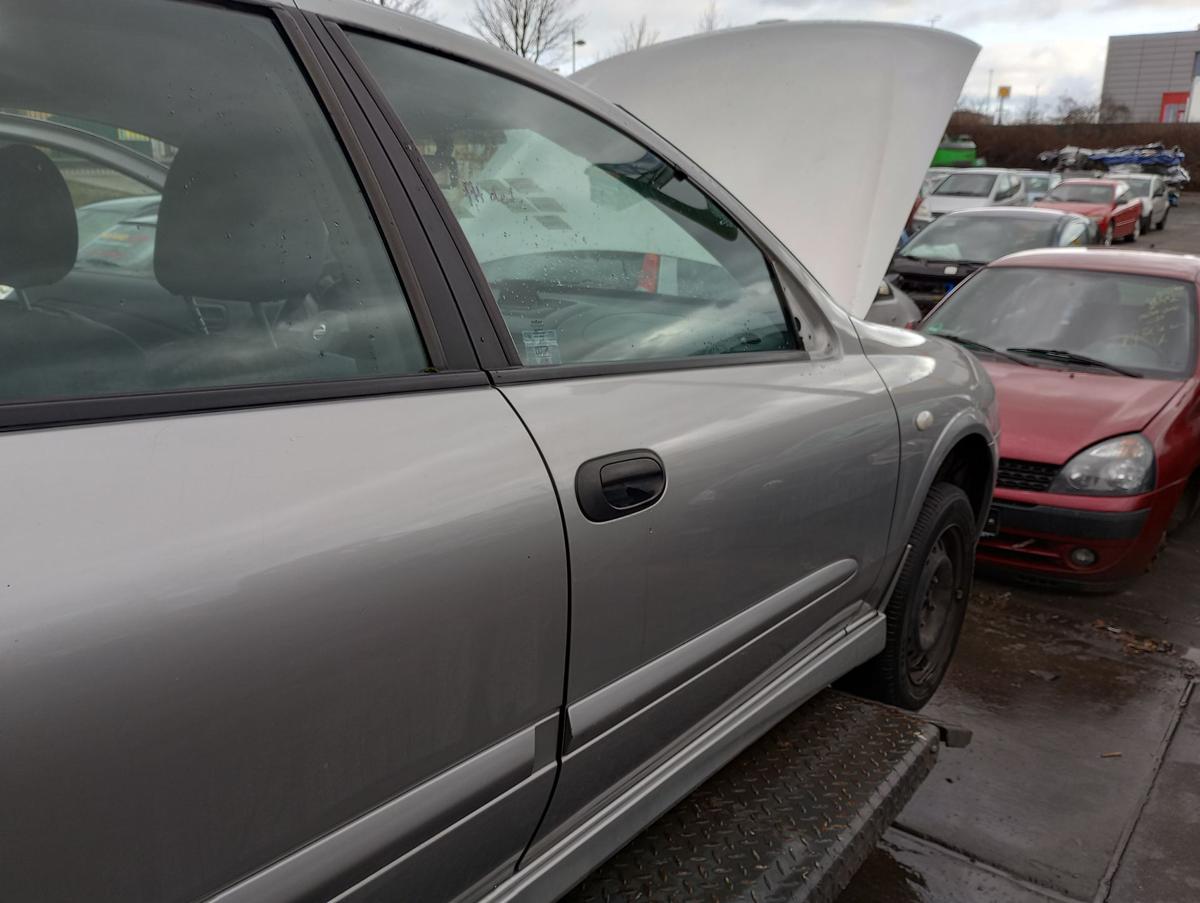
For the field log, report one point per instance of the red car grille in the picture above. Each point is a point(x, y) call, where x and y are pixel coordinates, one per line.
point(1028, 475)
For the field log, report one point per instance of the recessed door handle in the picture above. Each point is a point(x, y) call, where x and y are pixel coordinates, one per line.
point(618, 484)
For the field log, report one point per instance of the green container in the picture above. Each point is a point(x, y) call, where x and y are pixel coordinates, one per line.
point(956, 151)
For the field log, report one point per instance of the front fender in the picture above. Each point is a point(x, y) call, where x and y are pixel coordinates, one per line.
point(942, 396)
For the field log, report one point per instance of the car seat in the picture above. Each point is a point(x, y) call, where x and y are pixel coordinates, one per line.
point(238, 225)
point(48, 353)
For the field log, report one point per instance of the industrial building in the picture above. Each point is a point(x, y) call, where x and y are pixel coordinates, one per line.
point(1157, 76)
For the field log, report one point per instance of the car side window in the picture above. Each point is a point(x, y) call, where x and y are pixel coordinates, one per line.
point(187, 222)
point(595, 248)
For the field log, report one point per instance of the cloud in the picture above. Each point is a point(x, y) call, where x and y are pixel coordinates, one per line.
point(1058, 45)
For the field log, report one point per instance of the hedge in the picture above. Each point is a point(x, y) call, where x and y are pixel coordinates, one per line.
point(1018, 146)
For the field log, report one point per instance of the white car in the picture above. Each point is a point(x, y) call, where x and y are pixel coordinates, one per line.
point(1151, 190)
point(1038, 184)
point(969, 188)
point(934, 176)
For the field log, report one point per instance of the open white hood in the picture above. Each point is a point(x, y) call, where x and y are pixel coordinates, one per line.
point(823, 129)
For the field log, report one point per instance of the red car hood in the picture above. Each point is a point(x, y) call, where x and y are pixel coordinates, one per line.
point(1049, 414)
point(1076, 207)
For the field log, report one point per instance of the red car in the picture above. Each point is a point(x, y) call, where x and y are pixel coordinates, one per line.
point(1094, 356)
point(1108, 203)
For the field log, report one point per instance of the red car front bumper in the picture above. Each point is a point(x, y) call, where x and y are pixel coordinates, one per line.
point(1085, 540)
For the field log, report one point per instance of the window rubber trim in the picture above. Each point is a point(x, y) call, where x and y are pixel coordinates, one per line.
point(416, 264)
point(486, 297)
point(494, 345)
point(529, 373)
point(26, 415)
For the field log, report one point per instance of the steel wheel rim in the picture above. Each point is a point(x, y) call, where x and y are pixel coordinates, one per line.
point(942, 594)
point(1108, 236)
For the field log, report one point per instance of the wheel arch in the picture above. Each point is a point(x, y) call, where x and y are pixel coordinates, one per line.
point(971, 466)
point(965, 455)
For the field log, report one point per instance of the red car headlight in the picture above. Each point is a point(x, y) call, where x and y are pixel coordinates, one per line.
point(1123, 465)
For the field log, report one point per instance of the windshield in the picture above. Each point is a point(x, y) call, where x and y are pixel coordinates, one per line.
point(1079, 193)
point(980, 238)
point(1036, 183)
point(1139, 187)
point(966, 185)
point(1141, 323)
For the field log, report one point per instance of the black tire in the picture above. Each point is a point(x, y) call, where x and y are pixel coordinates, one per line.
point(1162, 223)
point(1107, 240)
point(927, 608)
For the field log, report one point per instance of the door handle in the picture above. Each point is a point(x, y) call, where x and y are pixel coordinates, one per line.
point(618, 484)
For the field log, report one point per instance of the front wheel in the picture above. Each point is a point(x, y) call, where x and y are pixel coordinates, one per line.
point(1162, 223)
point(1108, 235)
point(925, 614)
point(1137, 231)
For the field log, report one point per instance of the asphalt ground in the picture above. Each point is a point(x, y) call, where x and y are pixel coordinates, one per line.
point(1082, 782)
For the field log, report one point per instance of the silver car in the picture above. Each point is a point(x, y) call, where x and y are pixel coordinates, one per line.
point(1037, 183)
point(1151, 190)
point(466, 477)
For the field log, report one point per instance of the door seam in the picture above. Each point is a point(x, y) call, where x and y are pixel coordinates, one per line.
point(562, 719)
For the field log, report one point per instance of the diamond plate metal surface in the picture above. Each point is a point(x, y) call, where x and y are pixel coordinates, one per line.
point(791, 819)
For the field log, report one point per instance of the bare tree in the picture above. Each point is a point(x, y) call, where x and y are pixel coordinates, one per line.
point(1110, 111)
point(710, 19)
point(1030, 113)
point(974, 104)
point(412, 7)
point(1076, 112)
point(533, 29)
point(635, 36)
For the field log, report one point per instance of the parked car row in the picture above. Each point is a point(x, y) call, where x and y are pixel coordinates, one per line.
point(1093, 353)
point(947, 190)
point(964, 219)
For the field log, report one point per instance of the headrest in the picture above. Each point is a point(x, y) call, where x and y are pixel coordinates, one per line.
point(39, 238)
point(238, 222)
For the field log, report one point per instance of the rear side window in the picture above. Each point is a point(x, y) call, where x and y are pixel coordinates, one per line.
point(175, 211)
point(595, 248)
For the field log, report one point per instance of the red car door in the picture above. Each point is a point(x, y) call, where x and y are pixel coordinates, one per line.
point(1126, 212)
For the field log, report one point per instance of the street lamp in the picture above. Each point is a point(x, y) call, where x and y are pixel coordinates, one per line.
point(575, 43)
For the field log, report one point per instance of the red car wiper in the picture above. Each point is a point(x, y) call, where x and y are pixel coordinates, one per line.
point(1070, 357)
point(972, 345)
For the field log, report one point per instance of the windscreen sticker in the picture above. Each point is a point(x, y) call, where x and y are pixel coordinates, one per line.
point(541, 347)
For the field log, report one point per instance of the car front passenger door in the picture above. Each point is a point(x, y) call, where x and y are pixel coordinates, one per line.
point(726, 477)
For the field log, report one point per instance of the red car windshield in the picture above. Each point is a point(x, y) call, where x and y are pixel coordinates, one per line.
point(1081, 194)
point(1139, 323)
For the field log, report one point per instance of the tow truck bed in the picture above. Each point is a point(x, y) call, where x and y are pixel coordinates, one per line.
point(791, 819)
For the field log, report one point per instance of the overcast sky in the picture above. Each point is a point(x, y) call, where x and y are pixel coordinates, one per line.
point(1043, 47)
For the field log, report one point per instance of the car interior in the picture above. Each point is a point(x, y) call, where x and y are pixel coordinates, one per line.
point(259, 264)
point(630, 261)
